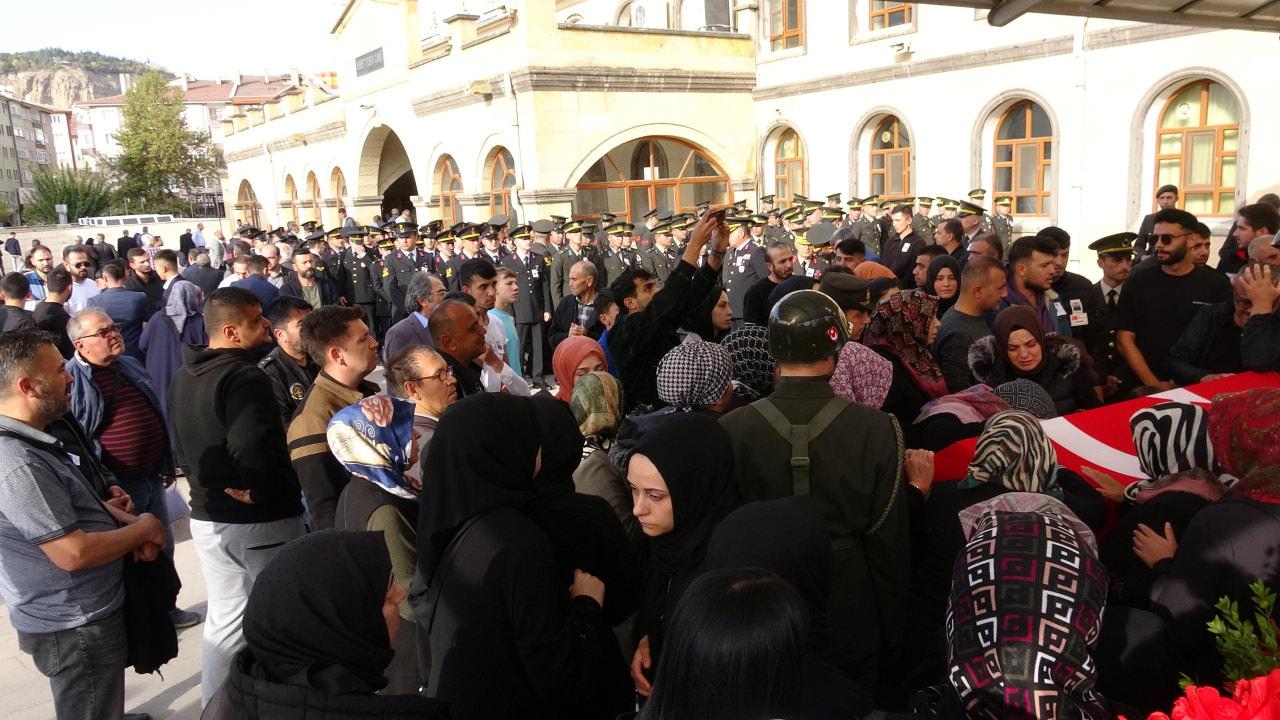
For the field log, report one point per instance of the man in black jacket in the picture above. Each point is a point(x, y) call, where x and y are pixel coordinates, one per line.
point(533, 305)
point(288, 366)
point(1082, 301)
point(308, 284)
point(228, 438)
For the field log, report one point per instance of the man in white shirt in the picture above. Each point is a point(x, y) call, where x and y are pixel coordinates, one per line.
point(76, 259)
point(197, 237)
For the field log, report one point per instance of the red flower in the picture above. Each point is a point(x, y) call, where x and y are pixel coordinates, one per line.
point(1255, 699)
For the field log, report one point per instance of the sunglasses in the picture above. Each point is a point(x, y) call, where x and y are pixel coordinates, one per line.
point(1167, 239)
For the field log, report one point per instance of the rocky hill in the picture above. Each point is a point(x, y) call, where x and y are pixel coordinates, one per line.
point(61, 78)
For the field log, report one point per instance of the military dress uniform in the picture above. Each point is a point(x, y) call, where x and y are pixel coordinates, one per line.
point(329, 265)
point(398, 268)
point(742, 268)
point(534, 300)
point(1112, 363)
point(1002, 225)
point(364, 272)
point(659, 263)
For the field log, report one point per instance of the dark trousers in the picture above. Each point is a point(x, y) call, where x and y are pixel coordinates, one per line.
point(85, 667)
point(533, 348)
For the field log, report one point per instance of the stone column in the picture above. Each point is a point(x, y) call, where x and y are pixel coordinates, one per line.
point(364, 208)
point(543, 203)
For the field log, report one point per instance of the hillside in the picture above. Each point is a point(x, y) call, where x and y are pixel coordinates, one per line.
point(61, 78)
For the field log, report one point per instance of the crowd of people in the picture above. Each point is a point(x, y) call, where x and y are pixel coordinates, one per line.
point(671, 470)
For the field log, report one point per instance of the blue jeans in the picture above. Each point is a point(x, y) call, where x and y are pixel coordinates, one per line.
point(85, 667)
point(148, 497)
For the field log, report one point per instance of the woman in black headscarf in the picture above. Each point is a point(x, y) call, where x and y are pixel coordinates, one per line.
point(585, 535)
point(313, 652)
point(505, 639)
point(1019, 348)
point(944, 282)
point(709, 320)
point(789, 537)
point(680, 473)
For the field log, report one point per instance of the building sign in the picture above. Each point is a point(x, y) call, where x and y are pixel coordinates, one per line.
point(369, 62)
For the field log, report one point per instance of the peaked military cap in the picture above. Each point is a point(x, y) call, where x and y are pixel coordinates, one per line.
point(977, 194)
point(767, 199)
point(406, 229)
point(1004, 200)
point(542, 227)
point(620, 228)
point(1119, 244)
point(968, 208)
point(521, 232)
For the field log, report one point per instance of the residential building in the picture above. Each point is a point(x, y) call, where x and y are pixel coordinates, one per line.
point(27, 143)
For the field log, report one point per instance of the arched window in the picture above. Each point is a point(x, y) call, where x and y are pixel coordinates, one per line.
point(1024, 159)
point(247, 204)
point(1199, 140)
point(624, 17)
point(502, 177)
point(788, 167)
point(313, 196)
point(890, 159)
point(291, 195)
point(448, 184)
point(338, 183)
point(648, 173)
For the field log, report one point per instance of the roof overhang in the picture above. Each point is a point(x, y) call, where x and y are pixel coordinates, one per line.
point(1257, 15)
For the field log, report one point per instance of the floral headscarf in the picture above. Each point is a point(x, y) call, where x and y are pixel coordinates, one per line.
point(862, 376)
point(1244, 428)
point(597, 405)
point(900, 324)
point(373, 439)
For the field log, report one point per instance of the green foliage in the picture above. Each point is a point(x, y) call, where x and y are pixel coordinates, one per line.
point(159, 155)
point(4, 211)
point(86, 194)
point(1250, 646)
point(52, 58)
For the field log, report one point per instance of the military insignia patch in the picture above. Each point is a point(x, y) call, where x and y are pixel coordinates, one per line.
point(296, 392)
point(386, 271)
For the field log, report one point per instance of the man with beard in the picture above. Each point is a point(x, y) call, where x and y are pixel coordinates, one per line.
point(1030, 277)
point(62, 580)
point(780, 262)
point(337, 339)
point(307, 283)
point(1158, 303)
point(1115, 258)
point(76, 259)
point(142, 279)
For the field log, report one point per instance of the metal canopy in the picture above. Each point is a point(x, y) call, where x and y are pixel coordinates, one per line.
point(1257, 15)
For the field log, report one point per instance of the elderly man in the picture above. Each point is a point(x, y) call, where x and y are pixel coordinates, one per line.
point(199, 270)
point(76, 259)
point(578, 313)
point(275, 273)
point(62, 578)
point(459, 336)
point(422, 294)
point(422, 375)
point(1209, 348)
point(290, 369)
point(113, 399)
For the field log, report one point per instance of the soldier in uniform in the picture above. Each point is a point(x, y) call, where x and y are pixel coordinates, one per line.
point(467, 235)
point(1115, 257)
point(532, 308)
point(767, 204)
point(950, 210)
point(491, 242)
point(329, 260)
point(937, 219)
point(660, 259)
point(1002, 221)
point(756, 228)
point(601, 237)
point(541, 236)
point(869, 228)
point(745, 264)
point(775, 232)
point(361, 267)
point(978, 196)
point(807, 261)
point(920, 222)
point(884, 223)
point(399, 267)
point(617, 259)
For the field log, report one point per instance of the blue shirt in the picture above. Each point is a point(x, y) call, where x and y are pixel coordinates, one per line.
point(608, 356)
point(420, 317)
point(513, 341)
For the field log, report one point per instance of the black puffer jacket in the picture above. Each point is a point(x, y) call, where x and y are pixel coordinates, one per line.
point(245, 696)
point(1063, 373)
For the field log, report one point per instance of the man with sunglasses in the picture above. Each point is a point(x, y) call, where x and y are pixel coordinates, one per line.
point(1159, 302)
point(76, 259)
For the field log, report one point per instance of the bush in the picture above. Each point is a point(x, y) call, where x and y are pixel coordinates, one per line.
point(85, 194)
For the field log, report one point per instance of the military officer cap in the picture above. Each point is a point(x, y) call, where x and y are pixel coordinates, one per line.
point(542, 227)
point(653, 212)
point(924, 200)
point(389, 227)
point(431, 229)
point(588, 228)
point(758, 220)
point(311, 225)
point(793, 213)
point(953, 205)
point(737, 221)
point(977, 194)
point(766, 199)
point(1118, 245)
point(620, 228)
point(968, 208)
point(336, 232)
point(445, 235)
point(849, 292)
point(498, 221)
point(348, 232)
point(872, 201)
point(801, 236)
point(607, 217)
point(703, 205)
point(1005, 200)
point(799, 199)
point(741, 205)
point(831, 213)
point(557, 223)
point(470, 232)
point(249, 232)
point(317, 234)
point(888, 204)
point(573, 226)
point(821, 234)
point(806, 326)
point(663, 228)
point(521, 231)
point(774, 213)
point(684, 222)
point(834, 197)
point(386, 243)
point(406, 229)
point(854, 203)
point(487, 230)
point(941, 201)
point(811, 205)
point(458, 227)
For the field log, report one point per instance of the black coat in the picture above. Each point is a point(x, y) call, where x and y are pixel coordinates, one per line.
point(328, 294)
point(535, 287)
point(1130, 578)
point(1209, 344)
point(1063, 375)
point(1087, 311)
point(204, 277)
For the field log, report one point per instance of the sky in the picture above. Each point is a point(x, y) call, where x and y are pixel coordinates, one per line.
point(203, 39)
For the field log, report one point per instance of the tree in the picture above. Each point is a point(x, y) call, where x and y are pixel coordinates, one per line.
point(159, 153)
point(85, 194)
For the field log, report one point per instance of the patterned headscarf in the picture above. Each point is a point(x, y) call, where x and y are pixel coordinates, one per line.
point(694, 375)
point(1014, 452)
point(1170, 438)
point(862, 376)
point(900, 324)
point(568, 355)
point(597, 404)
point(1027, 595)
point(1024, 502)
point(1027, 396)
point(753, 366)
point(184, 303)
point(373, 439)
point(1243, 428)
point(971, 405)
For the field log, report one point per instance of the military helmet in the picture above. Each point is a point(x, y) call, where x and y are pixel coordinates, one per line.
point(806, 326)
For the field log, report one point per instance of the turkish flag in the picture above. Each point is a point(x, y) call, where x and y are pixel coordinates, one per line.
point(1101, 438)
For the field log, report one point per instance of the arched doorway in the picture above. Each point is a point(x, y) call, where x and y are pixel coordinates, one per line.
point(385, 171)
point(890, 159)
point(1024, 158)
point(1198, 146)
point(247, 205)
point(648, 173)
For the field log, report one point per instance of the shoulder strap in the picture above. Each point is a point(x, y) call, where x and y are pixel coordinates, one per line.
point(800, 435)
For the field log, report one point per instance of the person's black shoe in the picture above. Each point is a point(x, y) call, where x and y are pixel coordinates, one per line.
point(185, 618)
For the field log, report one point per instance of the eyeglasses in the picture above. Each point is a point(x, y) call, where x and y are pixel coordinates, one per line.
point(442, 376)
point(1167, 239)
point(103, 333)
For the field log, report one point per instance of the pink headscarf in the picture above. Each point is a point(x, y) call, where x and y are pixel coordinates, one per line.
point(862, 376)
point(568, 355)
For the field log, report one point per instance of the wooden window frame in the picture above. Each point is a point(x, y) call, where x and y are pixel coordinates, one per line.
point(1041, 193)
point(498, 171)
point(782, 167)
point(1221, 209)
point(888, 8)
point(291, 191)
point(675, 183)
point(313, 188)
point(896, 124)
point(447, 174)
point(779, 37)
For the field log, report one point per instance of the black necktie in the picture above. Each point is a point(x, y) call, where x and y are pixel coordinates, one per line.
point(1111, 300)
